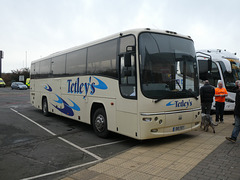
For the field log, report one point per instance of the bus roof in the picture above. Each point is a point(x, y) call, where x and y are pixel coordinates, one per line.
point(218, 54)
point(123, 33)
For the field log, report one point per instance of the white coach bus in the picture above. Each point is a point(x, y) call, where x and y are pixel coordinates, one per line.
point(141, 83)
point(224, 67)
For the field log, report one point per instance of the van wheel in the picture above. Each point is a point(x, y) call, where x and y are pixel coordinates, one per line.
point(99, 123)
point(45, 107)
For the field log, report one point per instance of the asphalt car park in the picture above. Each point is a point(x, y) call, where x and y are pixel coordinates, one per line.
point(33, 146)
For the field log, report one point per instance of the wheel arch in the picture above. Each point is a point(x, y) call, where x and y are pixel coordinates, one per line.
point(94, 107)
point(44, 97)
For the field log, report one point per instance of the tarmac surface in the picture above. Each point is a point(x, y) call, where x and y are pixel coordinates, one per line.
point(35, 147)
point(194, 155)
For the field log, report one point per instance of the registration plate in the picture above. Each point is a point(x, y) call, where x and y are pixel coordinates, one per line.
point(178, 128)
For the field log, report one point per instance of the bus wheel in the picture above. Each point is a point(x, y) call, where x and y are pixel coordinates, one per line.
point(99, 123)
point(45, 107)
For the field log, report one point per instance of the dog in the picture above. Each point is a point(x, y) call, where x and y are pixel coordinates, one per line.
point(206, 122)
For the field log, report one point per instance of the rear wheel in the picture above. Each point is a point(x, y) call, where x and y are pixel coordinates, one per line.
point(99, 123)
point(45, 107)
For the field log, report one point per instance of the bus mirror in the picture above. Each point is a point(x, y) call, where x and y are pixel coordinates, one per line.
point(204, 61)
point(127, 60)
point(203, 66)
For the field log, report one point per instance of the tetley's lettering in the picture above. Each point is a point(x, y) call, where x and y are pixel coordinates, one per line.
point(77, 87)
point(180, 103)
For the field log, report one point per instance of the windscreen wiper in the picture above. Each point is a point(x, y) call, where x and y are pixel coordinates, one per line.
point(157, 100)
point(176, 82)
point(165, 97)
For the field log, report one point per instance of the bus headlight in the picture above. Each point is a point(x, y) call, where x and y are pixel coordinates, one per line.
point(154, 130)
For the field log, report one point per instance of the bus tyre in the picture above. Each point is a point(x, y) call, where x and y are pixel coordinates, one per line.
point(99, 123)
point(45, 107)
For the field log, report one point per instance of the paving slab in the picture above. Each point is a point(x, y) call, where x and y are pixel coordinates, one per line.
point(195, 155)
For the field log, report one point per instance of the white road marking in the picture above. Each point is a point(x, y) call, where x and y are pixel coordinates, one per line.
point(99, 145)
point(50, 132)
point(81, 149)
point(64, 140)
point(60, 171)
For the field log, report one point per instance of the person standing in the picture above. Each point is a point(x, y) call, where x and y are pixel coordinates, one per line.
point(206, 92)
point(236, 128)
point(220, 94)
point(235, 88)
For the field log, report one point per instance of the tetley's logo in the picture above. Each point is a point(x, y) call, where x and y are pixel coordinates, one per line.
point(67, 108)
point(86, 88)
point(180, 103)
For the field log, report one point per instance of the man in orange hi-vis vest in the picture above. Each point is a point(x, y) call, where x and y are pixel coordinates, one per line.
point(220, 94)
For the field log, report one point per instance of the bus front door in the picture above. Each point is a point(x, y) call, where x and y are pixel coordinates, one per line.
point(127, 103)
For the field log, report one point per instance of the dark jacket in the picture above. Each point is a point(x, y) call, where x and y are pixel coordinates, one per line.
point(237, 103)
point(207, 92)
point(235, 89)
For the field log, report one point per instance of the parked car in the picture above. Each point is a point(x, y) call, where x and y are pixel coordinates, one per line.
point(2, 83)
point(18, 85)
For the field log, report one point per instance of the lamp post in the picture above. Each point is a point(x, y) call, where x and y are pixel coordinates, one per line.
point(1, 56)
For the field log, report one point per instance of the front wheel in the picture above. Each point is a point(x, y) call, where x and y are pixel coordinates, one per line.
point(99, 123)
point(45, 107)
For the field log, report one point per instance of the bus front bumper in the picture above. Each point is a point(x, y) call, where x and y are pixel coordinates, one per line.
point(156, 125)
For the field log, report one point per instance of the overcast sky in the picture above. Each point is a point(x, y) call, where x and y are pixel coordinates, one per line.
point(31, 29)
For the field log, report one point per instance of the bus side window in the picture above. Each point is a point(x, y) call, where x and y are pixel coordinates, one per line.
point(128, 77)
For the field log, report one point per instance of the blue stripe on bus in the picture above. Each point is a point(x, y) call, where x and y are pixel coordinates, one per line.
point(48, 88)
point(100, 85)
